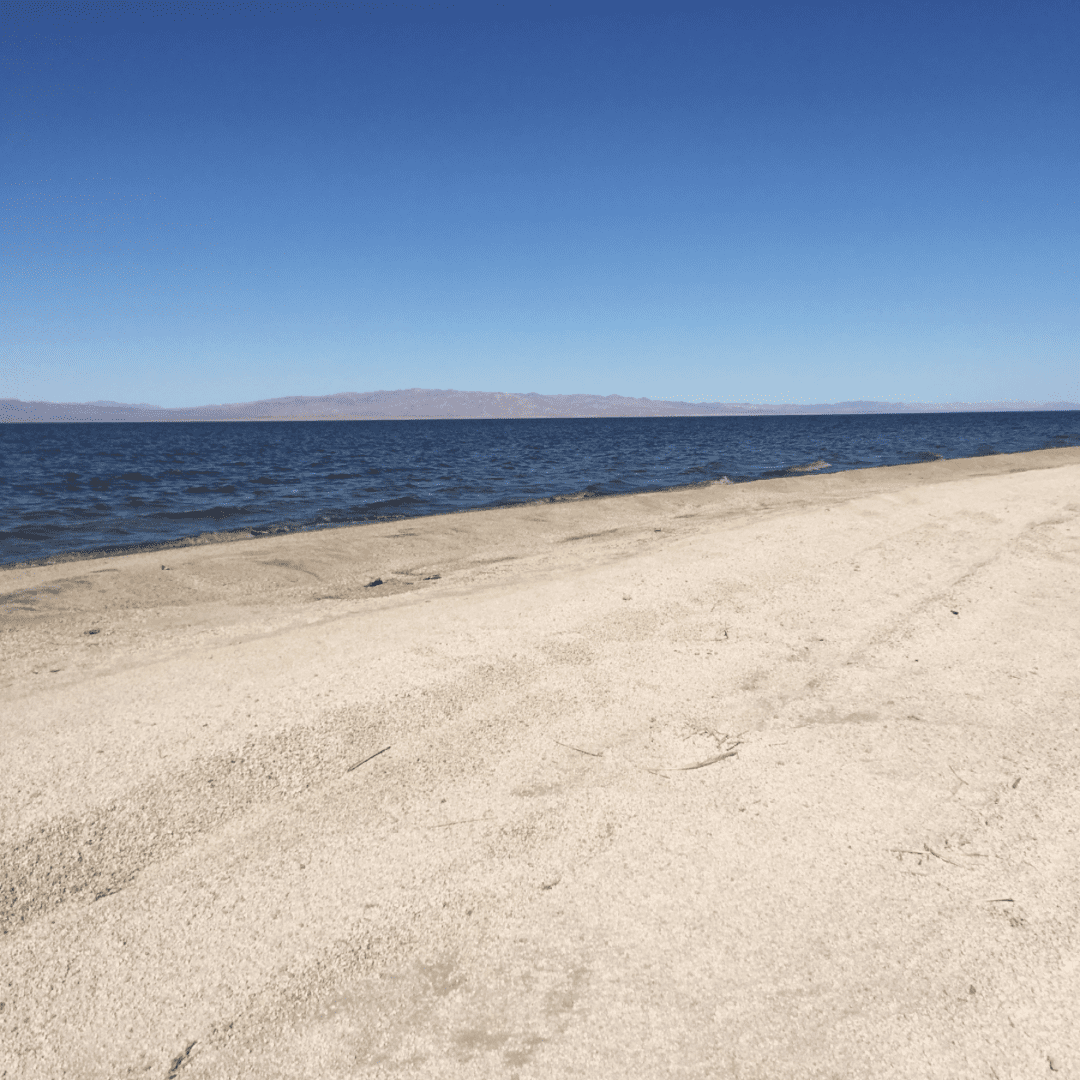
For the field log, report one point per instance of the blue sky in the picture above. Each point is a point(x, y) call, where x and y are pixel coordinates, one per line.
point(770, 202)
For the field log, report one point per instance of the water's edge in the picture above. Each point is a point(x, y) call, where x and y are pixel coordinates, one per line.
point(78, 491)
point(229, 536)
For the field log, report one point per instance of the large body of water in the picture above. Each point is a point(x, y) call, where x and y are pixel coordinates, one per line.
point(86, 487)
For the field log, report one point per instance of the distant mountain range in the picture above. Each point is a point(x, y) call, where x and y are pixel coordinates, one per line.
point(468, 404)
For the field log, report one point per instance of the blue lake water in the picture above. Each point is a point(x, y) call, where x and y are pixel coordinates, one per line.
point(86, 487)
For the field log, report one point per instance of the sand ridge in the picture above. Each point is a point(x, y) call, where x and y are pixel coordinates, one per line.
point(264, 818)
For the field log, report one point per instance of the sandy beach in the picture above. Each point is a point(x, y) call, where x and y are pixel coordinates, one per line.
point(772, 780)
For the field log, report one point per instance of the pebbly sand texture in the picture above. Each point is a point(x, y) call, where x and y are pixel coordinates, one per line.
point(877, 876)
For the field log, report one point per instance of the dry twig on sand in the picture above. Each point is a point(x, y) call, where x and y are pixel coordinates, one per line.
point(590, 753)
point(364, 761)
point(702, 764)
point(945, 858)
point(732, 742)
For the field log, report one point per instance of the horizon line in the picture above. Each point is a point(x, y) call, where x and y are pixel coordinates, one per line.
point(424, 403)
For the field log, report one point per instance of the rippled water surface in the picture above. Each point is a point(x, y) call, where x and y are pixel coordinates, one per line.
point(77, 487)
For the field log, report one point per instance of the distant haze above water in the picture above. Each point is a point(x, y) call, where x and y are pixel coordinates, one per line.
point(422, 404)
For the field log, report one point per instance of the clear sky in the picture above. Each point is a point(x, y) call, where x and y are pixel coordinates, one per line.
point(769, 202)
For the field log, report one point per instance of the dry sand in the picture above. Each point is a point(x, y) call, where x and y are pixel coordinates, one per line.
point(201, 876)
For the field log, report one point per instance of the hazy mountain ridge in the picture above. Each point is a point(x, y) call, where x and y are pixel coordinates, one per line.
point(466, 404)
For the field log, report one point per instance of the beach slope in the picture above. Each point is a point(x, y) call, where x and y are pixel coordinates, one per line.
point(772, 780)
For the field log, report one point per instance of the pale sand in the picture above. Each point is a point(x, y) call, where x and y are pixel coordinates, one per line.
point(883, 881)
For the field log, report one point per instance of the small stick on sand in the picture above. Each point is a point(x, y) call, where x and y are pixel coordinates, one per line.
point(702, 764)
point(944, 858)
point(696, 765)
point(364, 761)
point(463, 821)
point(590, 753)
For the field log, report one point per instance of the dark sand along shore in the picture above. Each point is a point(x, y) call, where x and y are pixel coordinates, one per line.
point(762, 781)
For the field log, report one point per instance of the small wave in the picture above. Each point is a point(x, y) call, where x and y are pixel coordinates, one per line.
point(391, 504)
point(706, 468)
point(574, 496)
point(814, 466)
point(26, 533)
point(195, 515)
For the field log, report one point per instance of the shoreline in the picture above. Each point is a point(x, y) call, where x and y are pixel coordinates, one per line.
point(777, 778)
point(258, 532)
